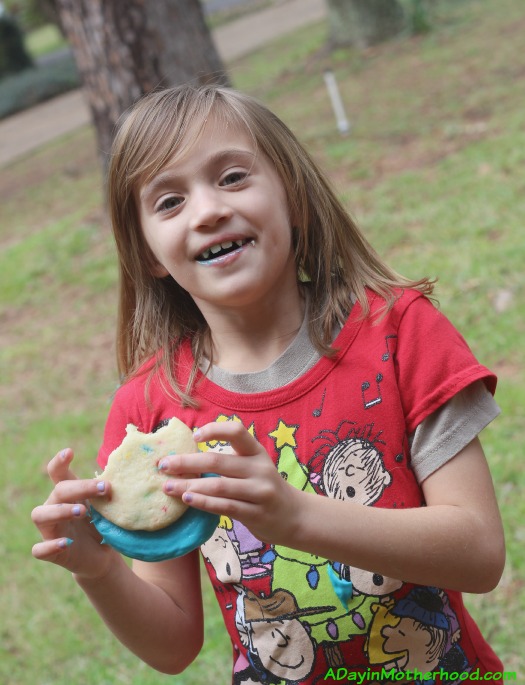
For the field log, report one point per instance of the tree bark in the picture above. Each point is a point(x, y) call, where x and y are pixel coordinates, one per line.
point(362, 23)
point(126, 48)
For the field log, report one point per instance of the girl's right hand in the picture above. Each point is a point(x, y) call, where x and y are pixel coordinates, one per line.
point(68, 537)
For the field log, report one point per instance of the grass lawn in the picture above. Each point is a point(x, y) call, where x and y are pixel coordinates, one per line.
point(45, 40)
point(433, 170)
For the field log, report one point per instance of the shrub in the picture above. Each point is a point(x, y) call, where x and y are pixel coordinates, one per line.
point(36, 85)
point(13, 55)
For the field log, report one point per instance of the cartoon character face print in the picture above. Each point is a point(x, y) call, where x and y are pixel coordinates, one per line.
point(422, 644)
point(351, 464)
point(222, 555)
point(372, 584)
point(423, 631)
point(284, 647)
point(354, 471)
point(279, 642)
point(374, 645)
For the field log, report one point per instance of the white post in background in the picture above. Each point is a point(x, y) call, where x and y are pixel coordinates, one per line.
point(343, 124)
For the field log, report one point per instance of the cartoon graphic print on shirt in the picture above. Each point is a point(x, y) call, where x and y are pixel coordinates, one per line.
point(351, 466)
point(418, 632)
point(283, 633)
point(352, 618)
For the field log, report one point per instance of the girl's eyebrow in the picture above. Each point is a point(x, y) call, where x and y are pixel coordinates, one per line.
point(169, 177)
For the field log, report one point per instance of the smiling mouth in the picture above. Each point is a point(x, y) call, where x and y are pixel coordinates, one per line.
point(222, 249)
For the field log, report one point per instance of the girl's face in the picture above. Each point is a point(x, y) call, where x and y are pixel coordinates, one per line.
point(218, 222)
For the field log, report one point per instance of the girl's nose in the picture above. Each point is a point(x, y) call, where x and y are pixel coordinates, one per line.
point(208, 207)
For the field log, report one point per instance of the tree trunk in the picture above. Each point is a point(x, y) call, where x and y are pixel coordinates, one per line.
point(126, 48)
point(363, 22)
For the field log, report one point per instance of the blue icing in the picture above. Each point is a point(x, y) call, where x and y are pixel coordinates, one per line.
point(187, 533)
point(190, 531)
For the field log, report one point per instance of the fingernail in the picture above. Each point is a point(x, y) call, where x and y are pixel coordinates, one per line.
point(163, 465)
point(65, 542)
point(197, 434)
point(76, 509)
point(187, 497)
point(101, 487)
point(169, 486)
point(63, 454)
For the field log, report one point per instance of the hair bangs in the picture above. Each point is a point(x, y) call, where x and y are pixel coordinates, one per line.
point(167, 125)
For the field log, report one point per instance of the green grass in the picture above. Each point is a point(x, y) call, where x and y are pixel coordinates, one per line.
point(44, 40)
point(433, 171)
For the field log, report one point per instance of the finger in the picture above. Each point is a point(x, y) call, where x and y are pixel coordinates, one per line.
point(234, 508)
point(240, 490)
point(239, 506)
point(186, 466)
point(46, 515)
point(77, 491)
point(51, 550)
point(58, 468)
point(228, 431)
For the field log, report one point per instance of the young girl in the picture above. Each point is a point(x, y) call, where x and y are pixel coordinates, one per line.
point(338, 406)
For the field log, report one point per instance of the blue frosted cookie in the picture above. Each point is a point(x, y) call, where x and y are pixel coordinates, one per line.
point(189, 532)
point(138, 518)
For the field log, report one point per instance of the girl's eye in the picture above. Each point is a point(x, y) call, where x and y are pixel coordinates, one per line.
point(234, 178)
point(169, 203)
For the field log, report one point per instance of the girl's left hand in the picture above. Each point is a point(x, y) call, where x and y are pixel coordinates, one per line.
point(249, 488)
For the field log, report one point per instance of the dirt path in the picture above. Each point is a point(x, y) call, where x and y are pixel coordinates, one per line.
point(24, 132)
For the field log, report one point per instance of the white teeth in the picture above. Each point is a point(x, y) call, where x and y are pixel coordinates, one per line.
point(226, 245)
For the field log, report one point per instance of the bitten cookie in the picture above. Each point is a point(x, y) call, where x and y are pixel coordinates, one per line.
point(137, 501)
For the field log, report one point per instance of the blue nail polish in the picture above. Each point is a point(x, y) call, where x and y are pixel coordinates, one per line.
point(65, 542)
point(76, 510)
point(187, 497)
point(101, 486)
point(163, 465)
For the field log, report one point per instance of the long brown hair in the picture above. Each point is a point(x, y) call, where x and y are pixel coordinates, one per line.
point(156, 314)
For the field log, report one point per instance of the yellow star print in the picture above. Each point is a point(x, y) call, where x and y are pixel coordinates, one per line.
point(284, 435)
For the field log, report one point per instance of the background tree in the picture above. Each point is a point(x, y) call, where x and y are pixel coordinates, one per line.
point(126, 48)
point(363, 22)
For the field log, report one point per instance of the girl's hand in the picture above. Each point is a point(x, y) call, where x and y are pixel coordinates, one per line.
point(69, 539)
point(249, 489)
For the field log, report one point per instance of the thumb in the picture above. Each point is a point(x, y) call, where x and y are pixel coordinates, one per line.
point(58, 468)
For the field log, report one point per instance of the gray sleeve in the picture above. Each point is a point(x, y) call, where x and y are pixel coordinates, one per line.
point(450, 428)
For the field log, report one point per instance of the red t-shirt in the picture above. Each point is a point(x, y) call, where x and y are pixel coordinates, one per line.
point(340, 430)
